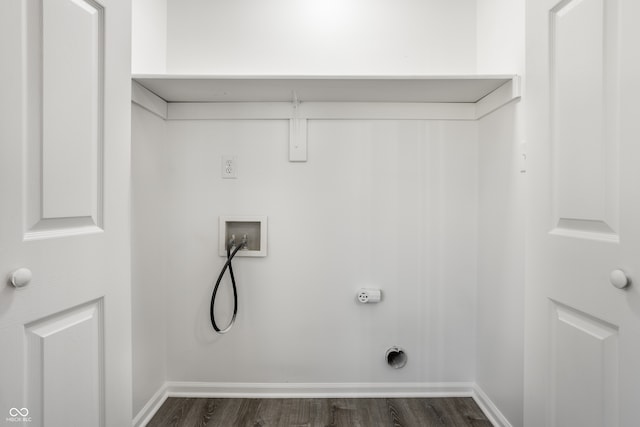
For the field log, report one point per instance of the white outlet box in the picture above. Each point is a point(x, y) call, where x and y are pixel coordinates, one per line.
point(229, 167)
point(254, 227)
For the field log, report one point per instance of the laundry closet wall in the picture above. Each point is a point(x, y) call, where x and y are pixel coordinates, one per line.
point(321, 37)
point(391, 204)
point(501, 210)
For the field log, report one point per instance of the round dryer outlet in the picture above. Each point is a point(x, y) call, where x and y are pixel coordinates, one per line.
point(367, 296)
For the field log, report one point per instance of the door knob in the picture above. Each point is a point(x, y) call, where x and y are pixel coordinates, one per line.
point(619, 279)
point(20, 277)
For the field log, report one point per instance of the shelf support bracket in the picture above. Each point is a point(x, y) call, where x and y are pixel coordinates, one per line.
point(297, 134)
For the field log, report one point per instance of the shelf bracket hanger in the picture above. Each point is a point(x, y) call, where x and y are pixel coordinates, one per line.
point(297, 134)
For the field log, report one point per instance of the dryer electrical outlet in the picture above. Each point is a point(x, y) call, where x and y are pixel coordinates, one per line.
point(254, 227)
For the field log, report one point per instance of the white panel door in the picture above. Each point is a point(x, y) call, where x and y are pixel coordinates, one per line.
point(65, 337)
point(582, 343)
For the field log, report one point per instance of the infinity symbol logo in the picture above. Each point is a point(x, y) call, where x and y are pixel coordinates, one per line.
point(14, 412)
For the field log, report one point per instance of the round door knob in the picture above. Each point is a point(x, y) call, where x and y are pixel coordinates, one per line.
point(619, 279)
point(21, 277)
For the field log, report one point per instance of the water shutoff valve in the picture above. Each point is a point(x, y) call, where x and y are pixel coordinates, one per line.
point(366, 296)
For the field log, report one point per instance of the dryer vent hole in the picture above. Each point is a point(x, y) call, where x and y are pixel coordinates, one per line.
point(396, 357)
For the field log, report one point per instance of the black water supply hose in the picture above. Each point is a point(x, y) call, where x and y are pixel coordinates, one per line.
point(227, 265)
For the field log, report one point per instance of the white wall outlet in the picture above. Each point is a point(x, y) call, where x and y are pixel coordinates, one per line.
point(229, 167)
point(368, 296)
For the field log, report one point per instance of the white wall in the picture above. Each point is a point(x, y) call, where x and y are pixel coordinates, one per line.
point(501, 264)
point(148, 255)
point(388, 204)
point(500, 36)
point(325, 37)
point(500, 302)
point(149, 36)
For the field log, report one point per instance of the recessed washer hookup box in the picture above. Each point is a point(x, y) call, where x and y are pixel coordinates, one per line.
point(254, 227)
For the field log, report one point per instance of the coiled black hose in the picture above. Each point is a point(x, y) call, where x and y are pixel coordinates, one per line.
point(230, 256)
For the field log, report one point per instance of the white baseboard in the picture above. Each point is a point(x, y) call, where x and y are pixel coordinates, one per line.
point(318, 390)
point(149, 410)
point(489, 408)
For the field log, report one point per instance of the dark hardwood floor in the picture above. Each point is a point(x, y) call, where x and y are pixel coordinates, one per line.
point(396, 412)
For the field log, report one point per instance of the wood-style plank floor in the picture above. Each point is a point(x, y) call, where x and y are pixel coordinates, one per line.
point(397, 412)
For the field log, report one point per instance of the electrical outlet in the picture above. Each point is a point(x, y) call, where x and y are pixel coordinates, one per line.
point(363, 296)
point(229, 167)
point(367, 296)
